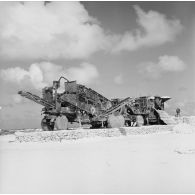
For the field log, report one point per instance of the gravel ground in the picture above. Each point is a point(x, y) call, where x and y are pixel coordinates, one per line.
point(161, 162)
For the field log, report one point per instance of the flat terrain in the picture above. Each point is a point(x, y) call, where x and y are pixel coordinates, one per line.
point(152, 163)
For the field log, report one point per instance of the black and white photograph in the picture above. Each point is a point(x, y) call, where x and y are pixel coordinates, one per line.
point(97, 97)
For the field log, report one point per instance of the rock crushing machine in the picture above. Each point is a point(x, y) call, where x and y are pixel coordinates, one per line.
point(82, 105)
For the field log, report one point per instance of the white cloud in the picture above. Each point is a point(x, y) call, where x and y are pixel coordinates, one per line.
point(16, 74)
point(155, 29)
point(171, 63)
point(42, 74)
point(33, 30)
point(57, 30)
point(165, 64)
point(149, 70)
point(84, 74)
point(118, 79)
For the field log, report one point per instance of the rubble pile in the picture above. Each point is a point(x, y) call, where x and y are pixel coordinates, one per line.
point(46, 136)
point(184, 128)
point(185, 119)
point(189, 120)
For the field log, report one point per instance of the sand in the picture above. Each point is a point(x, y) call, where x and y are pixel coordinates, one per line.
point(151, 163)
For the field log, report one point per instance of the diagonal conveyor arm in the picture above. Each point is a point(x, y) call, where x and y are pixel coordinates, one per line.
point(36, 99)
point(118, 106)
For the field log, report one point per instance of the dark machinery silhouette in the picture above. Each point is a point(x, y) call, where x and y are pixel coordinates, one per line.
point(82, 105)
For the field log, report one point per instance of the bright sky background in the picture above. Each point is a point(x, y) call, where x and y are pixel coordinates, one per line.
point(120, 49)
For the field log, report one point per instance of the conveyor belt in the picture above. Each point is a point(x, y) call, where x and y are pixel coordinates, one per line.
point(36, 99)
point(118, 106)
point(45, 103)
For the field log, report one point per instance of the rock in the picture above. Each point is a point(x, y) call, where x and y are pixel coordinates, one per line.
point(183, 128)
point(45, 136)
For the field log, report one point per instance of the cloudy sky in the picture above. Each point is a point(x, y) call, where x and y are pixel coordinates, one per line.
point(118, 48)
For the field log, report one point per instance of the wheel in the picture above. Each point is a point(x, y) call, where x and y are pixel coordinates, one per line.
point(139, 120)
point(61, 123)
point(116, 121)
point(46, 126)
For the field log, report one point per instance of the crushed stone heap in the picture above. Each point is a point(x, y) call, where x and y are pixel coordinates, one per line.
point(45, 136)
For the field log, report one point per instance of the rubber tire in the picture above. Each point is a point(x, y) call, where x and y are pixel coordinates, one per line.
point(46, 126)
point(139, 120)
point(116, 121)
point(61, 123)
